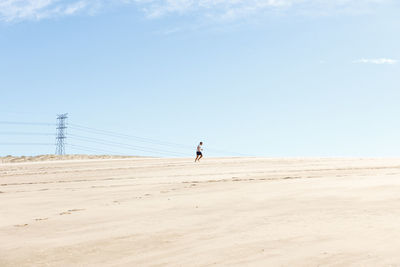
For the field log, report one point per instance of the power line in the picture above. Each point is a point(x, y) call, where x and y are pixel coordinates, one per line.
point(125, 136)
point(88, 149)
point(26, 123)
point(227, 152)
point(25, 133)
point(118, 143)
point(26, 144)
point(125, 146)
point(22, 112)
point(146, 140)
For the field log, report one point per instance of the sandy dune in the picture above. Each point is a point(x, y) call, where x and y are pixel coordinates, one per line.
point(221, 212)
point(11, 159)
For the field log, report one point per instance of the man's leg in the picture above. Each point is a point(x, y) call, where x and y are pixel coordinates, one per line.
point(200, 157)
point(197, 158)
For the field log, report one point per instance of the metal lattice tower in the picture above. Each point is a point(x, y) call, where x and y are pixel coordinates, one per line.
point(61, 133)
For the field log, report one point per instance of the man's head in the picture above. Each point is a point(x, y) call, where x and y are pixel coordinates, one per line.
point(201, 143)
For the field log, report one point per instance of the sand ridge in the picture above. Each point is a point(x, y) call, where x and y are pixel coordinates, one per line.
point(51, 157)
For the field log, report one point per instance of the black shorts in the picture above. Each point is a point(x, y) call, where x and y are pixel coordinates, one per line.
point(199, 153)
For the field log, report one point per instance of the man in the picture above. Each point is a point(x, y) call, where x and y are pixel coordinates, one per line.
point(199, 155)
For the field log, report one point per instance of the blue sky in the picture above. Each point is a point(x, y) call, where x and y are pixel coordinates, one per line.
point(279, 78)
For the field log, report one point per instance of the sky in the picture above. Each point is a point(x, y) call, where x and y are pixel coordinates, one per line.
point(272, 78)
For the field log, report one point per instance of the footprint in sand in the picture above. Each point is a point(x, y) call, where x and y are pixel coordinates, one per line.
point(21, 225)
point(76, 210)
point(41, 219)
point(70, 211)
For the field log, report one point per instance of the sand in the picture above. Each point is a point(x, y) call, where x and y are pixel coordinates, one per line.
point(220, 212)
point(12, 159)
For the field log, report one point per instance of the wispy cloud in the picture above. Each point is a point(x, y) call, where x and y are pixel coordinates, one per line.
point(17, 10)
point(378, 61)
point(233, 9)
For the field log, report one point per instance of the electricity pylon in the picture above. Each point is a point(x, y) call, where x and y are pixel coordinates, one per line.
point(61, 133)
